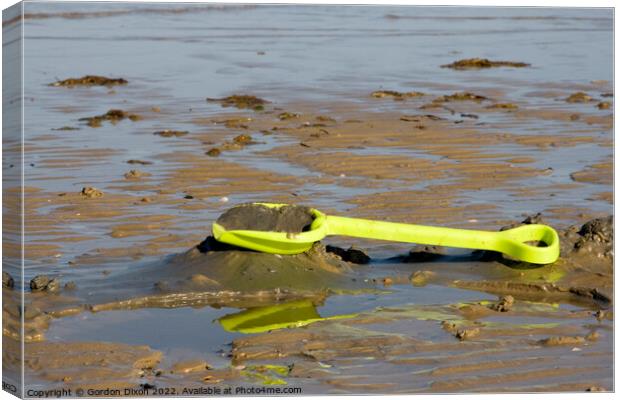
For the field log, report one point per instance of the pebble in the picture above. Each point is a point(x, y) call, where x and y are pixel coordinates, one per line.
point(91, 192)
point(604, 105)
point(214, 152)
point(421, 278)
point(39, 283)
point(43, 283)
point(504, 304)
point(7, 280)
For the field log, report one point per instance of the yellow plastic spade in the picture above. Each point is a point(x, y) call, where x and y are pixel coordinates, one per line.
point(512, 242)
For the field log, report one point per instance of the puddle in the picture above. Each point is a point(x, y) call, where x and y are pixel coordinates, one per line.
point(189, 330)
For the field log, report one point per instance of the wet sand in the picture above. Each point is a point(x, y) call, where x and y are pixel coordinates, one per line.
point(122, 229)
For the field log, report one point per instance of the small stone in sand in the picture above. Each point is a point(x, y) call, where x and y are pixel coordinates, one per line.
point(604, 105)
point(43, 283)
point(504, 304)
point(578, 97)
point(353, 254)
point(7, 280)
point(243, 139)
point(91, 193)
point(466, 333)
point(287, 115)
point(214, 152)
point(170, 133)
point(135, 174)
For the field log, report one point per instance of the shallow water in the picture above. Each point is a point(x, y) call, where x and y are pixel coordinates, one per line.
point(202, 334)
point(176, 56)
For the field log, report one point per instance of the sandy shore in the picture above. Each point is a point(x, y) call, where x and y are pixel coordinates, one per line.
point(417, 162)
point(364, 112)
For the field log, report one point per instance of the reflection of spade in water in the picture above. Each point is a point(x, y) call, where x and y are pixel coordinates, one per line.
point(292, 314)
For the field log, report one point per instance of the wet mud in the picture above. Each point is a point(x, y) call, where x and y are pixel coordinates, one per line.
point(257, 217)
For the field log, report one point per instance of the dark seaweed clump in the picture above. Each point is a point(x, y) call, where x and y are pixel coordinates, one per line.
point(90, 80)
point(460, 96)
point(241, 101)
point(112, 116)
point(479, 63)
point(379, 94)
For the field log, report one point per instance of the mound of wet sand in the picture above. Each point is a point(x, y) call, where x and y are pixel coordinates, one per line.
point(595, 239)
point(213, 266)
point(584, 271)
point(257, 217)
point(213, 273)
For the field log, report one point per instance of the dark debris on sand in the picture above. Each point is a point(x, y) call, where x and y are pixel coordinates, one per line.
point(353, 254)
point(460, 96)
point(379, 94)
point(42, 283)
point(579, 97)
point(7, 280)
point(596, 237)
point(424, 253)
point(170, 133)
point(112, 116)
point(90, 80)
point(241, 101)
point(479, 63)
